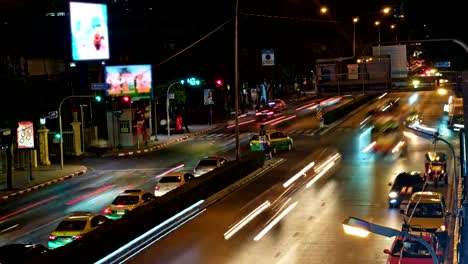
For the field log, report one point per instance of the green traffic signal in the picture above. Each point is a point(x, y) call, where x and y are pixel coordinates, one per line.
point(57, 136)
point(193, 81)
point(98, 98)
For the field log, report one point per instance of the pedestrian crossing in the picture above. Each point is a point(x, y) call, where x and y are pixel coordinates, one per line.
point(296, 132)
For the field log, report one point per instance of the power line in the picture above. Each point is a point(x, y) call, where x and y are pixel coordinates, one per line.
point(193, 44)
point(290, 18)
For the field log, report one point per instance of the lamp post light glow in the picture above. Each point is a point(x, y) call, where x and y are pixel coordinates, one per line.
point(355, 20)
point(386, 10)
point(323, 10)
point(358, 227)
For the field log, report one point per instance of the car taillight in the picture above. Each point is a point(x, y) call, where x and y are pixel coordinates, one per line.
point(52, 237)
point(157, 187)
point(77, 237)
point(107, 211)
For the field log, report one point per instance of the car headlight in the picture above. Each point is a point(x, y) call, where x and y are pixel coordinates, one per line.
point(393, 195)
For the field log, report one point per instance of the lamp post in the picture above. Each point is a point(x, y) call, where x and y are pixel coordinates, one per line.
point(355, 20)
point(377, 24)
point(60, 122)
point(236, 77)
point(394, 27)
point(358, 227)
point(82, 126)
point(167, 107)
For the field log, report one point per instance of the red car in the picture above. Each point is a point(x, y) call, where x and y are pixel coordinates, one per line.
point(411, 251)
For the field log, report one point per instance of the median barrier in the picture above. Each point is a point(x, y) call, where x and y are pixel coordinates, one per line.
point(331, 116)
point(114, 235)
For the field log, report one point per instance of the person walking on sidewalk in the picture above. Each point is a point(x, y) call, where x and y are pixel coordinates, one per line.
point(185, 120)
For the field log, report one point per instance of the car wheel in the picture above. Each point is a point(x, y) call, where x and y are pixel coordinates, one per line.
point(289, 146)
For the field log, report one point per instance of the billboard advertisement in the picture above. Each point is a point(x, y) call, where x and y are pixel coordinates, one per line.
point(89, 31)
point(208, 96)
point(25, 135)
point(131, 80)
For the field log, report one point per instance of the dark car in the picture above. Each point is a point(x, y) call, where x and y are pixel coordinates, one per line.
point(20, 253)
point(404, 185)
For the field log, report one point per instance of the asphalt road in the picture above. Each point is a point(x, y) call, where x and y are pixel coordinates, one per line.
point(311, 230)
point(38, 213)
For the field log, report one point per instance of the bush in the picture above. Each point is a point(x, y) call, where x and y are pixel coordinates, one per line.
point(114, 234)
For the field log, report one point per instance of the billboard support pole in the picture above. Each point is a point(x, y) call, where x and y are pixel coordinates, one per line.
point(167, 109)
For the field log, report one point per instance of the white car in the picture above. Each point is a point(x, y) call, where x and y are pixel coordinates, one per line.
point(208, 164)
point(171, 181)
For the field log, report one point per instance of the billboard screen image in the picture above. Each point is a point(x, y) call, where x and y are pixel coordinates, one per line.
point(131, 80)
point(89, 31)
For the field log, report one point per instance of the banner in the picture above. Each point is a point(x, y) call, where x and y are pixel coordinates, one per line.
point(268, 58)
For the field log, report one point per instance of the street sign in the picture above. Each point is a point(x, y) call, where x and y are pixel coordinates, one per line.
point(118, 113)
point(53, 114)
point(442, 64)
point(98, 86)
point(171, 96)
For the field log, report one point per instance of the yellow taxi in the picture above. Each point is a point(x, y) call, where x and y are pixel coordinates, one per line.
point(277, 141)
point(74, 227)
point(427, 211)
point(127, 201)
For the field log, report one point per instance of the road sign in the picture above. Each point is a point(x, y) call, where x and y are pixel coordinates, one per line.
point(171, 96)
point(118, 113)
point(319, 115)
point(442, 64)
point(53, 114)
point(98, 86)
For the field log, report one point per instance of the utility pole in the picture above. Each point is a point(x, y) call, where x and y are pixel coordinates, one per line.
point(236, 78)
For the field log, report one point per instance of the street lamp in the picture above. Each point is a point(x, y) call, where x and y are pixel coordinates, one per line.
point(167, 106)
point(377, 24)
point(60, 122)
point(355, 20)
point(236, 77)
point(394, 27)
point(358, 227)
point(324, 10)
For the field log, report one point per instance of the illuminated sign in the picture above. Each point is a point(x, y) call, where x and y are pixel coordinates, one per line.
point(89, 31)
point(25, 135)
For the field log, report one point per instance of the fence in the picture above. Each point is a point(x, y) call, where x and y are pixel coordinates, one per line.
point(19, 160)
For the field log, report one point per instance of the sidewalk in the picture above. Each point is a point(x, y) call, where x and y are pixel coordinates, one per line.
point(164, 141)
point(43, 176)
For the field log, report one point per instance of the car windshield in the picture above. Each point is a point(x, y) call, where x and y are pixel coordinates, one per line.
point(208, 163)
point(430, 210)
point(71, 225)
point(411, 249)
point(170, 179)
point(126, 200)
point(408, 180)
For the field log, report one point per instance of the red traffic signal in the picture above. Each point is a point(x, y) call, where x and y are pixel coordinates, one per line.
point(126, 99)
point(219, 82)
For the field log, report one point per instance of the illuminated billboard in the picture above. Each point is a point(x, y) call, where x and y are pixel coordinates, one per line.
point(131, 80)
point(89, 31)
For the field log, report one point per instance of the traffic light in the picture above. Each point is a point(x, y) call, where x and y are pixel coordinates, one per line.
point(126, 99)
point(193, 81)
point(57, 136)
point(219, 83)
point(98, 98)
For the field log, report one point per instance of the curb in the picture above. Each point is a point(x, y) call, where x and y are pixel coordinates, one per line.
point(162, 145)
point(43, 185)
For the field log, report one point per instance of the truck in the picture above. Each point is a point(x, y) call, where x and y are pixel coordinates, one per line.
point(454, 110)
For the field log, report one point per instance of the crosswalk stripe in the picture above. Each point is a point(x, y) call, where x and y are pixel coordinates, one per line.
point(292, 131)
point(309, 131)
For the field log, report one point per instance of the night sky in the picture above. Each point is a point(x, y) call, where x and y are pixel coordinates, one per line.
point(295, 29)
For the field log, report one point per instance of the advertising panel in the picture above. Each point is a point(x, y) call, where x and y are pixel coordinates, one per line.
point(208, 96)
point(25, 135)
point(132, 80)
point(89, 31)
